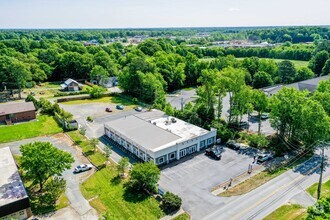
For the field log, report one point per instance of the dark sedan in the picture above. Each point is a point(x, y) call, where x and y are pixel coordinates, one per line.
point(213, 152)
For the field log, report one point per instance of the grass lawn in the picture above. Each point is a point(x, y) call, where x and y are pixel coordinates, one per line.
point(108, 196)
point(325, 190)
point(251, 183)
point(183, 216)
point(96, 157)
point(44, 125)
point(62, 202)
point(258, 180)
point(288, 212)
point(128, 104)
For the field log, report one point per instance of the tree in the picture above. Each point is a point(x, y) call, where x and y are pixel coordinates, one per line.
point(315, 123)
point(108, 151)
point(94, 142)
point(285, 115)
point(98, 73)
point(122, 165)
point(321, 210)
point(82, 130)
point(260, 104)
point(326, 68)
point(96, 91)
point(262, 79)
point(41, 160)
point(286, 72)
point(144, 176)
point(304, 73)
point(232, 80)
point(170, 202)
point(318, 61)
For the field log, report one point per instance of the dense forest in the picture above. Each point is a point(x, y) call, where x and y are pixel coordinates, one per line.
point(156, 65)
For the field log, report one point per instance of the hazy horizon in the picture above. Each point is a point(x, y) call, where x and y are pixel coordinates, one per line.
point(130, 14)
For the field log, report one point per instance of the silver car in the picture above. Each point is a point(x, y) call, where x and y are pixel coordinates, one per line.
point(82, 168)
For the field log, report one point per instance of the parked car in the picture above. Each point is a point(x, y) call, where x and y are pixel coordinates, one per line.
point(120, 107)
point(233, 145)
point(108, 109)
point(214, 152)
point(243, 124)
point(83, 167)
point(263, 157)
point(138, 109)
point(264, 116)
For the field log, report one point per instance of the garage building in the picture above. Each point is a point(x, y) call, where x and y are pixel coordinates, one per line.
point(14, 201)
point(16, 112)
point(154, 136)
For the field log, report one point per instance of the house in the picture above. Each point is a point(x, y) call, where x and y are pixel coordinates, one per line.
point(309, 84)
point(154, 136)
point(109, 82)
point(14, 201)
point(71, 85)
point(17, 111)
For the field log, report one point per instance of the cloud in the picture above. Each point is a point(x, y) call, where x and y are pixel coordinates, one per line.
point(234, 9)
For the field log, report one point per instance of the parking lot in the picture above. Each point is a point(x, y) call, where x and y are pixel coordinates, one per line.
point(194, 178)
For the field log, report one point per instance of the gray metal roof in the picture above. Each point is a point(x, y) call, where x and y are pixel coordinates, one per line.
point(16, 107)
point(142, 132)
point(11, 185)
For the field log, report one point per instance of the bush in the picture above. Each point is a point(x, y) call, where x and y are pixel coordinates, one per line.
point(258, 141)
point(96, 92)
point(223, 131)
point(90, 118)
point(171, 202)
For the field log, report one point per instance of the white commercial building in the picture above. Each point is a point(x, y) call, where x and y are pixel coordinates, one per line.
point(157, 137)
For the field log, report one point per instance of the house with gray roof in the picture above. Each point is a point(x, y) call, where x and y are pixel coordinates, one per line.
point(71, 85)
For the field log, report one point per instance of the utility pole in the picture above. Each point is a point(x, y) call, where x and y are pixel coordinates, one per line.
point(321, 174)
point(319, 188)
point(182, 103)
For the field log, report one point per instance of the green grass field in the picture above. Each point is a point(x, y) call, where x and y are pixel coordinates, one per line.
point(108, 196)
point(297, 63)
point(184, 216)
point(288, 212)
point(112, 99)
point(312, 190)
point(44, 125)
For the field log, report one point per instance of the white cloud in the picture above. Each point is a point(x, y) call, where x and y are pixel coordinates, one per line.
point(234, 9)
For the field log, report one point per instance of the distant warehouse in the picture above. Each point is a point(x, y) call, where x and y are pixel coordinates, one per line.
point(154, 136)
point(17, 112)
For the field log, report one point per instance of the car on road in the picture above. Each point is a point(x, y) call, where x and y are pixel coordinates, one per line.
point(138, 109)
point(108, 109)
point(214, 152)
point(263, 157)
point(120, 107)
point(83, 167)
point(232, 145)
point(264, 116)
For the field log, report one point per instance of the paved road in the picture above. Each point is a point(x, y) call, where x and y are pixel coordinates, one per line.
point(77, 201)
point(181, 96)
point(194, 177)
point(262, 201)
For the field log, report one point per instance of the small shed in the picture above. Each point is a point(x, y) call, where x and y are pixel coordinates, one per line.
point(71, 85)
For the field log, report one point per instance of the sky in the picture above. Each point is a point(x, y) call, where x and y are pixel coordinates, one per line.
point(161, 13)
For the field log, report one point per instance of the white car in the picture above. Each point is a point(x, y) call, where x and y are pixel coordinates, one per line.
point(82, 168)
point(263, 157)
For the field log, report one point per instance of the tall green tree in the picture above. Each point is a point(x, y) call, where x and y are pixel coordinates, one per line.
point(260, 104)
point(318, 61)
point(262, 79)
point(326, 68)
point(304, 73)
point(41, 161)
point(144, 176)
point(286, 72)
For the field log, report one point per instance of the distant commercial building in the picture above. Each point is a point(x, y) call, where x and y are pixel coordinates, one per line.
point(17, 112)
point(71, 85)
point(309, 84)
point(14, 201)
point(154, 136)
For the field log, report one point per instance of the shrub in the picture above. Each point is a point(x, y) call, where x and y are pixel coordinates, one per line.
point(223, 131)
point(90, 118)
point(96, 92)
point(171, 202)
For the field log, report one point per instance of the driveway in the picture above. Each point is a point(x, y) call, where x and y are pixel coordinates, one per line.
point(194, 179)
point(77, 201)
